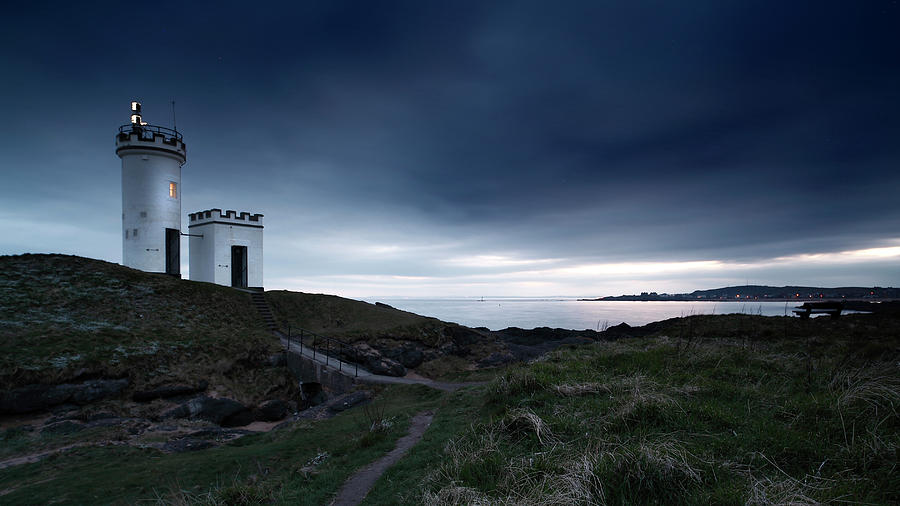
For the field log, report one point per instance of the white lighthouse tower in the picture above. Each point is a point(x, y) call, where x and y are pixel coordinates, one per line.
point(152, 157)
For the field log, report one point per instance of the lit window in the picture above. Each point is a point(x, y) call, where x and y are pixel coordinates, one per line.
point(173, 190)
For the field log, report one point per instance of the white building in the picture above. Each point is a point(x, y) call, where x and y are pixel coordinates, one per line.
point(226, 248)
point(152, 157)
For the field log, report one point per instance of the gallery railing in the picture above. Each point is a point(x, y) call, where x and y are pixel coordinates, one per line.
point(144, 130)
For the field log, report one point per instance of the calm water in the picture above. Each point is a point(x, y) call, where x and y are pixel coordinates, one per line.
point(527, 313)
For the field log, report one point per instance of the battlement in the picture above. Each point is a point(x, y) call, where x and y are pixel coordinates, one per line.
point(150, 137)
point(229, 217)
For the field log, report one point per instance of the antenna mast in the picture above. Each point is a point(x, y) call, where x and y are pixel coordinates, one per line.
point(174, 125)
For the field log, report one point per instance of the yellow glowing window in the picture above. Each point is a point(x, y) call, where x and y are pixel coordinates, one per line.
point(173, 190)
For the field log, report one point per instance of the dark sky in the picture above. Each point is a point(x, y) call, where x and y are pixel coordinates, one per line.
point(477, 148)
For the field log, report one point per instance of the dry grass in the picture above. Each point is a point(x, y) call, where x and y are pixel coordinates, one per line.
point(580, 389)
point(525, 421)
point(876, 389)
point(556, 473)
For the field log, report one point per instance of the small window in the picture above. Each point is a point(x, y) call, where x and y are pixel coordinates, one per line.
point(134, 233)
point(173, 190)
point(143, 214)
point(126, 233)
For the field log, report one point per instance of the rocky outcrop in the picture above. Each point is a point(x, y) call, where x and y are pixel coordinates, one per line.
point(329, 409)
point(228, 412)
point(164, 392)
point(407, 356)
point(41, 397)
point(221, 411)
point(377, 363)
point(272, 411)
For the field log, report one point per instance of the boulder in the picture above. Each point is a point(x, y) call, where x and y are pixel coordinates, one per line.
point(94, 390)
point(40, 397)
point(239, 419)
point(407, 356)
point(186, 445)
point(385, 367)
point(164, 392)
point(462, 336)
point(377, 363)
point(273, 410)
point(207, 408)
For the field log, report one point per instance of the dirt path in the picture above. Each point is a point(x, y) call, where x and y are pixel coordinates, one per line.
point(356, 488)
point(34, 457)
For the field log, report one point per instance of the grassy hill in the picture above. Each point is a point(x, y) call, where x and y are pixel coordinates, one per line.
point(352, 320)
point(67, 317)
point(63, 317)
point(709, 409)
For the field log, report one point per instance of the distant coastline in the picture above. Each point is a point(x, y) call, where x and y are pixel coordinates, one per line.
point(762, 293)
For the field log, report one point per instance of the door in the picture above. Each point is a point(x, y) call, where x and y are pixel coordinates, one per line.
point(239, 266)
point(173, 251)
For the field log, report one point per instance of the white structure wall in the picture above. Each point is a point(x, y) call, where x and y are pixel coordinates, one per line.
point(151, 164)
point(212, 236)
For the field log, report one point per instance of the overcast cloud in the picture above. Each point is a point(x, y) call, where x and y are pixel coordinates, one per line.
point(483, 148)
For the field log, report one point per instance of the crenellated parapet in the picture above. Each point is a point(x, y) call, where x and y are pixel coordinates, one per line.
point(145, 137)
point(228, 217)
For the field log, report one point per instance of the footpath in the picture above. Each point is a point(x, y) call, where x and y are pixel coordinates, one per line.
point(358, 486)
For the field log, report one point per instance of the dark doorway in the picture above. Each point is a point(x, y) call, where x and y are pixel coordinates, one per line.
point(239, 266)
point(173, 251)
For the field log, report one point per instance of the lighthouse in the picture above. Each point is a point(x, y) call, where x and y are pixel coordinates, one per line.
point(152, 157)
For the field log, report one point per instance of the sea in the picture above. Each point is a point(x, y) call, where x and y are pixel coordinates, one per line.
point(571, 313)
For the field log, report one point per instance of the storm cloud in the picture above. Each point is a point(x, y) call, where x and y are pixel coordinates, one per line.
point(477, 148)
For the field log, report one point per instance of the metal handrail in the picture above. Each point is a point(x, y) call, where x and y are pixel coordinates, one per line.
point(139, 129)
point(328, 340)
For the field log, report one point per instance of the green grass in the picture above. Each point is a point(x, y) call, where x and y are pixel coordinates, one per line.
point(278, 466)
point(654, 420)
point(351, 319)
point(734, 409)
point(663, 420)
point(61, 316)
